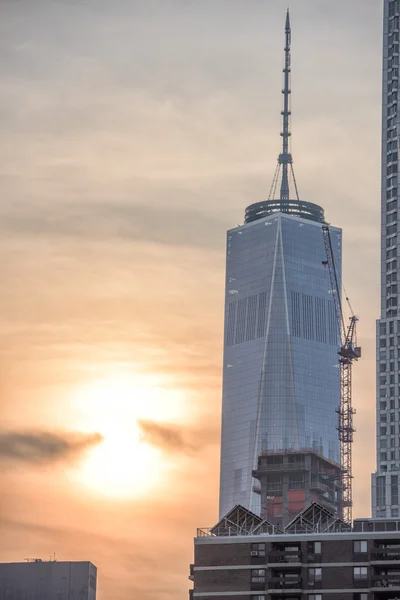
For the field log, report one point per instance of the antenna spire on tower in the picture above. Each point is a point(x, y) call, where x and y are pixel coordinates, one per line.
point(285, 158)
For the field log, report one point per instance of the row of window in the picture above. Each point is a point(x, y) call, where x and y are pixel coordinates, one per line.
point(394, 24)
point(386, 431)
point(386, 367)
point(359, 547)
point(381, 490)
point(384, 379)
point(356, 596)
point(387, 456)
point(393, 8)
point(392, 343)
point(245, 319)
point(312, 318)
point(391, 265)
point(390, 146)
point(392, 180)
point(384, 405)
point(392, 253)
point(383, 418)
point(314, 574)
point(387, 443)
point(388, 393)
point(391, 303)
point(392, 157)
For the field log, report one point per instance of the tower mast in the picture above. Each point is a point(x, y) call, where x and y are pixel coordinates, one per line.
point(285, 158)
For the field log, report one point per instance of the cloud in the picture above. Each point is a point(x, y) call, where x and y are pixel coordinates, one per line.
point(174, 438)
point(44, 447)
point(114, 220)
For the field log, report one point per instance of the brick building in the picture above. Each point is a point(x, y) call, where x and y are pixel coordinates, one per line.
point(316, 557)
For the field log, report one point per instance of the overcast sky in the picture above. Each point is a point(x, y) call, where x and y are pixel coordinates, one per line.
point(133, 135)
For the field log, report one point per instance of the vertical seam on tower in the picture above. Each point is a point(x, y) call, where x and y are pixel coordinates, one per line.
point(290, 339)
point(256, 441)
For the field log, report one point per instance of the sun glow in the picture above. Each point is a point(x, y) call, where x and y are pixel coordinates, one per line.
point(124, 464)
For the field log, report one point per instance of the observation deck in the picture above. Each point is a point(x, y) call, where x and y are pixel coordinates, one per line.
point(295, 208)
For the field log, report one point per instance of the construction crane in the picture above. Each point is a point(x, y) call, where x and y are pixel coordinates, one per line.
point(348, 352)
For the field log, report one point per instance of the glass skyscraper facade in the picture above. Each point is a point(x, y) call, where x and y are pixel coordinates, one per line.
point(385, 482)
point(280, 366)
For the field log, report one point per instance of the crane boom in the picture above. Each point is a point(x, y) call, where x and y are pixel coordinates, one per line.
point(348, 352)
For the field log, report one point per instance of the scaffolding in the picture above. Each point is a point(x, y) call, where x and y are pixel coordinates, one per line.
point(240, 521)
point(290, 480)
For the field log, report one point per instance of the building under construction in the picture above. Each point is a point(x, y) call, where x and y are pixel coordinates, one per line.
point(289, 481)
point(286, 409)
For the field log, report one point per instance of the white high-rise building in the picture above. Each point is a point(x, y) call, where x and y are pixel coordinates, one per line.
point(385, 482)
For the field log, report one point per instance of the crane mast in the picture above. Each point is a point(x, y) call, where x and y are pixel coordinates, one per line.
point(348, 352)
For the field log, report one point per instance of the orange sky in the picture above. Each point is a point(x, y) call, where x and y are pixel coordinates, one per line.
point(134, 134)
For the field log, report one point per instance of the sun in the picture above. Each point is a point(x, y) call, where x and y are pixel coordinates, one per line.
point(123, 465)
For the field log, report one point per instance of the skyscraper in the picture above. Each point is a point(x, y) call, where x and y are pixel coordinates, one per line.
point(385, 482)
point(280, 366)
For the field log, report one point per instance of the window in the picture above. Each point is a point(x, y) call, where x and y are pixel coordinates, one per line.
point(394, 489)
point(315, 597)
point(317, 547)
point(258, 550)
point(360, 572)
point(381, 491)
point(258, 576)
point(258, 597)
point(362, 596)
point(315, 574)
point(360, 546)
point(314, 547)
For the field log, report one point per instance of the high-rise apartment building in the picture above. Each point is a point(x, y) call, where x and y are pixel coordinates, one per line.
point(316, 557)
point(385, 482)
point(280, 367)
